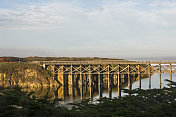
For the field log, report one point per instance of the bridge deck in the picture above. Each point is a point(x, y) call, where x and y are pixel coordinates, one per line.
point(67, 71)
point(107, 62)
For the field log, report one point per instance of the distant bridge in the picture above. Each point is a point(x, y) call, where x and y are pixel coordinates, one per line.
point(69, 72)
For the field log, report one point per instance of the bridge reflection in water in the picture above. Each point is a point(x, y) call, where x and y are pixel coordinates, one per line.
point(85, 79)
point(75, 93)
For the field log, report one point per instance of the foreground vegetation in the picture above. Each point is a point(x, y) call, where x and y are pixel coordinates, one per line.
point(154, 102)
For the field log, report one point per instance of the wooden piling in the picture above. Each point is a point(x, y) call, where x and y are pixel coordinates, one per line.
point(91, 91)
point(64, 92)
point(73, 93)
point(171, 72)
point(100, 87)
point(160, 74)
point(71, 75)
point(139, 76)
point(90, 77)
point(80, 76)
point(149, 73)
point(110, 92)
point(119, 82)
point(59, 74)
point(82, 91)
point(109, 79)
point(129, 79)
point(99, 83)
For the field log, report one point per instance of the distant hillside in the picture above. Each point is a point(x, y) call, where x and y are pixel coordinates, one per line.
point(10, 59)
point(25, 75)
point(26, 59)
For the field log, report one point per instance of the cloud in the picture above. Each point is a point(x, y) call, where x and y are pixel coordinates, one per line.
point(36, 16)
point(130, 27)
point(128, 12)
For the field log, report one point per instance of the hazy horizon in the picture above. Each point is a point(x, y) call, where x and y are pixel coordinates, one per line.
point(128, 58)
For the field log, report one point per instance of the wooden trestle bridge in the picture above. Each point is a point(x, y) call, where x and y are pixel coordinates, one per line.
point(77, 72)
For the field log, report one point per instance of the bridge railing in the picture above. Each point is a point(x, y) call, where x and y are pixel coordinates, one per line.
point(155, 61)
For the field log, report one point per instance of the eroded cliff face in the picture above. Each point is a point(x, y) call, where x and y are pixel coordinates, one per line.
point(26, 77)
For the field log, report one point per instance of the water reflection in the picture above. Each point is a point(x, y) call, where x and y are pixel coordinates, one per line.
point(74, 93)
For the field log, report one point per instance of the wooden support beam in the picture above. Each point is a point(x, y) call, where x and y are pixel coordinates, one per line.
point(139, 76)
point(99, 82)
point(109, 79)
point(91, 91)
point(110, 92)
point(99, 77)
point(129, 79)
point(64, 92)
point(71, 75)
point(160, 74)
point(100, 91)
point(82, 91)
point(73, 93)
point(109, 84)
point(55, 75)
point(59, 76)
point(149, 73)
point(171, 72)
point(90, 76)
point(80, 76)
point(119, 82)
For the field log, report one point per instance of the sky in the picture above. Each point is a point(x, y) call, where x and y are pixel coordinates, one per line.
point(88, 28)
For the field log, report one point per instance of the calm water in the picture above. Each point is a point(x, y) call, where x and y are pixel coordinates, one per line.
point(155, 83)
point(72, 94)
